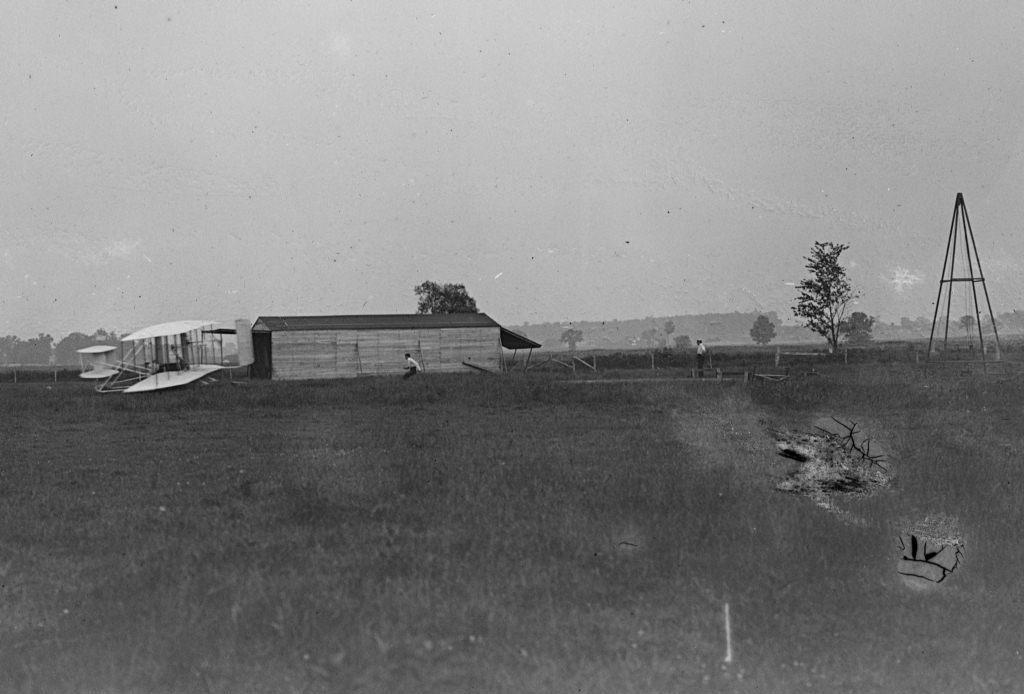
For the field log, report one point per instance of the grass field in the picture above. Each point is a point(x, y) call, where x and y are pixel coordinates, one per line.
point(518, 534)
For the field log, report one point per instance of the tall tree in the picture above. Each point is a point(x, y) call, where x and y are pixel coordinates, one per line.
point(825, 295)
point(857, 328)
point(444, 298)
point(763, 331)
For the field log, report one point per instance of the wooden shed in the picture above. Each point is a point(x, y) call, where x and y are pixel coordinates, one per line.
point(302, 347)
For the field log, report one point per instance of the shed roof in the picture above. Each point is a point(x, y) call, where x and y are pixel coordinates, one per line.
point(393, 321)
point(513, 340)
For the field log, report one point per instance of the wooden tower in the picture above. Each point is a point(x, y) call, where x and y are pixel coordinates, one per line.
point(963, 270)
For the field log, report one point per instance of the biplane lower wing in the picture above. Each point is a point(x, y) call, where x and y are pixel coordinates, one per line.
point(173, 379)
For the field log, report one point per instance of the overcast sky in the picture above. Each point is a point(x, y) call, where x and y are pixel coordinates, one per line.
point(565, 160)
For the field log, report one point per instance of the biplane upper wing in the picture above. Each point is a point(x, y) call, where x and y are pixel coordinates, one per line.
point(178, 327)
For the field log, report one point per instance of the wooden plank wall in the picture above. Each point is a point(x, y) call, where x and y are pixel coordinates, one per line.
point(349, 353)
point(296, 354)
point(481, 347)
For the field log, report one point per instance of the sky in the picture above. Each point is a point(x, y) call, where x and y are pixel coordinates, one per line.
point(565, 161)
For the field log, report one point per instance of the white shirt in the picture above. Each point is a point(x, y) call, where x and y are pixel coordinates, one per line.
point(413, 363)
point(701, 349)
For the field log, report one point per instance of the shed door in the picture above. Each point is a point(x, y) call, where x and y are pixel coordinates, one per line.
point(261, 348)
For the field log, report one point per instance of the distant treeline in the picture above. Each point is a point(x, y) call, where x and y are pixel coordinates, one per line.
point(669, 332)
point(681, 332)
point(42, 350)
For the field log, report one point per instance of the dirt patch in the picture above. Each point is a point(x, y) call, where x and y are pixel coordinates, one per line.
point(838, 460)
point(930, 550)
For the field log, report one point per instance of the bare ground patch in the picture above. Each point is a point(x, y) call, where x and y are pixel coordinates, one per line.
point(836, 461)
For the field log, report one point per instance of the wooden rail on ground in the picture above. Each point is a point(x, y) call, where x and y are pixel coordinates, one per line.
point(592, 367)
point(720, 374)
point(479, 368)
point(772, 374)
point(745, 374)
point(571, 365)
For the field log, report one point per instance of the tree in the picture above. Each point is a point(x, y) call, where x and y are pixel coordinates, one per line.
point(825, 295)
point(1014, 321)
point(857, 328)
point(683, 342)
point(571, 337)
point(763, 331)
point(65, 352)
point(35, 350)
point(7, 347)
point(650, 337)
point(967, 323)
point(990, 326)
point(444, 298)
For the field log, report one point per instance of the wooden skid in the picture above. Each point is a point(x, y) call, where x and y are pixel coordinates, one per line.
point(477, 367)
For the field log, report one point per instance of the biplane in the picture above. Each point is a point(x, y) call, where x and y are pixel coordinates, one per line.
point(96, 361)
point(168, 355)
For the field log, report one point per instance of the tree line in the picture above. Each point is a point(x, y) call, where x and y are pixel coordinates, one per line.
point(43, 350)
point(822, 303)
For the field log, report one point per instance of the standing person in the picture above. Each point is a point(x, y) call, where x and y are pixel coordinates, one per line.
point(702, 352)
point(412, 367)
